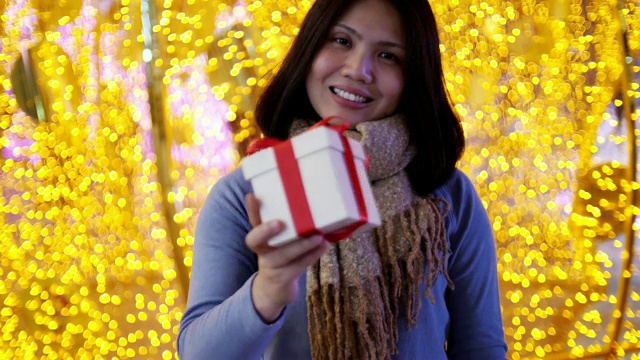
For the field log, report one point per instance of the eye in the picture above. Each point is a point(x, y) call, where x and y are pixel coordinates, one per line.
point(341, 41)
point(389, 56)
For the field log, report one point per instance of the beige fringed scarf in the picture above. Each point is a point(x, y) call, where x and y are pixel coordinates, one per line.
point(361, 285)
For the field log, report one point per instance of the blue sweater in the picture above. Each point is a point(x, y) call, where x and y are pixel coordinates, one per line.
point(220, 321)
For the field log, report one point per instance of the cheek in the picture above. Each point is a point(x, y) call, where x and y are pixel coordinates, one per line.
point(315, 76)
point(322, 64)
point(395, 88)
point(313, 81)
point(314, 84)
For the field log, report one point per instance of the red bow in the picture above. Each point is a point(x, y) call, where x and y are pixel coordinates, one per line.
point(267, 142)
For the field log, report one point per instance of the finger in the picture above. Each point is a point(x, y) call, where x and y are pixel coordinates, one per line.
point(310, 257)
point(253, 209)
point(292, 252)
point(258, 237)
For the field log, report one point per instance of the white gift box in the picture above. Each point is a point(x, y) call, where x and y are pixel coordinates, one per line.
point(326, 184)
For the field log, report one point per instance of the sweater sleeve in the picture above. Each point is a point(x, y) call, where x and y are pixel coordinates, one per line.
point(476, 328)
point(220, 320)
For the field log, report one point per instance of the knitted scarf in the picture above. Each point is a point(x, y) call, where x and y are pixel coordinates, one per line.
point(359, 288)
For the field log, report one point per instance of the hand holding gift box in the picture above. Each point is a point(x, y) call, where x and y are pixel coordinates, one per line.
point(316, 183)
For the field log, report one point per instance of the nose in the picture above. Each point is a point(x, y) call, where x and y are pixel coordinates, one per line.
point(358, 66)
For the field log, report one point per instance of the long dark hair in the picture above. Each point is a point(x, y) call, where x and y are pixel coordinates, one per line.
point(435, 129)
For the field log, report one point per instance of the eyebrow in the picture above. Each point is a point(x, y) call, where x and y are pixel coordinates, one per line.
point(357, 34)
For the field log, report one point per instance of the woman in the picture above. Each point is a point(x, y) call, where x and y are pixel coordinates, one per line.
point(423, 285)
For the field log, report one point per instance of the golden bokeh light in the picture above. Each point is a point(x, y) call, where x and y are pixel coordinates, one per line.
point(116, 117)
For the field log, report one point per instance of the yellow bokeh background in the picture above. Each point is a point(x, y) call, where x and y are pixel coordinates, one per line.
point(116, 117)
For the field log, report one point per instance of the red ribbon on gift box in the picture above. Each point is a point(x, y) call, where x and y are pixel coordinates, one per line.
point(294, 187)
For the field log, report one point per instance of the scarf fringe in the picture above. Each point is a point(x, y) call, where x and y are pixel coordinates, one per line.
point(360, 320)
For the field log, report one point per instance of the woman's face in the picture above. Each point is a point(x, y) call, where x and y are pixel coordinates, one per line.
point(358, 73)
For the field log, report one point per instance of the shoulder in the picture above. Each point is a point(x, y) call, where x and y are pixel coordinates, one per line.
point(223, 221)
point(231, 184)
point(233, 181)
point(228, 192)
point(461, 195)
point(457, 181)
point(467, 214)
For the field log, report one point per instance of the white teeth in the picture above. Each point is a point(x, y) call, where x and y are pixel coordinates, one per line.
point(349, 96)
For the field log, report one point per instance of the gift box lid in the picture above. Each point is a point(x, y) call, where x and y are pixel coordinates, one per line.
point(303, 144)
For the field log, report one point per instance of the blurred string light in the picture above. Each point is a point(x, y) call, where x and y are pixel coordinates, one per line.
point(629, 110)
point(116, 117)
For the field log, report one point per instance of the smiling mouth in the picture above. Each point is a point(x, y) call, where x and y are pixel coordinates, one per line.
point(349, 96)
